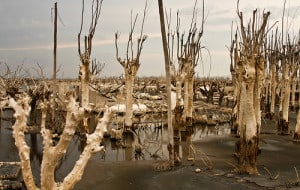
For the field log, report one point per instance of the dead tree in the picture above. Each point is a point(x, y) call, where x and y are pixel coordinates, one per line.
point(178, 77)
point(250, 67)
point(39, 96)
point(236, 75)
point(273, 56)
point(297, 129)
point(287, 58)
point(210, 88)
point(294, 78)
point(52, 154)
point(10, 82)
point(188, 52)
point(96, 69)
point(85, 56)
point(168, 82)
point(131, 65)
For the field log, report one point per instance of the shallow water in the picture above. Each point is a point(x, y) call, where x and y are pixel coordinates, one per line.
point(153, 141)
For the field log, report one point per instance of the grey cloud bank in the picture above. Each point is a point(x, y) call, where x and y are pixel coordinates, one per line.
point(26, 32)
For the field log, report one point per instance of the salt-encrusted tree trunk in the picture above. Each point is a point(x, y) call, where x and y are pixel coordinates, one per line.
point(21, 114)
point(252, 60)
point(179, 77)
point(294, 81)
point(273, 57)
point(131, 65)
point(52, 154)
point(274, 82)
point(189, 52)
point(85, 56)
point(297, 128)
point(84, 71)
point(236, 70)
point(188, 92)
point(283, 122)
point(258, 86)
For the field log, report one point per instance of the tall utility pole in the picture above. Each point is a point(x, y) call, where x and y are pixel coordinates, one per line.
point(54, 88)
point(55, 42)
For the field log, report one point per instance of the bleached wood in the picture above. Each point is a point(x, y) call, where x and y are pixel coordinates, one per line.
point(297, 128)
point(22, 110)
point(92, 147)
point(52, 154)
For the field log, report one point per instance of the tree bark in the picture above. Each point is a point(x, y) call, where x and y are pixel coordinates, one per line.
point(247, 146)
point(283, 123)
point(92, 147)
point(129, 80)
point(168, 82)
point(259, 79)
point(84, 78)
point(273, 90)
point(297, 128)
point(188, 92)
point(249, 63)
point(294, 70)
point(22, 110)
point(52, 154)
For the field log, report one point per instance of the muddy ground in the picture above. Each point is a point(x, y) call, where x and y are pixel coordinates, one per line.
point(277, 165)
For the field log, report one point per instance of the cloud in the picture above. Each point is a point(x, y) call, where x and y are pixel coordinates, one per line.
point(27, 30)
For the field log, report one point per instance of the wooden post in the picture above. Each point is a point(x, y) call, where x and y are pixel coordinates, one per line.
point(55, 42)
point(168, 82)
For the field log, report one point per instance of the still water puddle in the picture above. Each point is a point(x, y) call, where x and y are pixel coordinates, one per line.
point(146, 143)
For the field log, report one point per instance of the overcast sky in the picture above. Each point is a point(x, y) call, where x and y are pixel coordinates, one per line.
point(26, 32)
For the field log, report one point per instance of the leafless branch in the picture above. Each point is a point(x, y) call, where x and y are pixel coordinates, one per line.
point(96, 10)
point(97, 67)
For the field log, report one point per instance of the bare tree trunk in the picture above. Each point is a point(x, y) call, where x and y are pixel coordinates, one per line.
point(235, 70)
point(129, 79)
point(189, 119)
point(247, 147)
point(293, 93)
point(259, 79)
point(297, 128)
point(84, 72)
point(52, 154)
point(273, 90)
point(85, 80)
point(283, 123)
point(21, 113)
point(85, 57)
point(251, 63)
point(168, 82)
point(186, 93)
point(92, 147)
point(294, 70)
point(131, 65)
